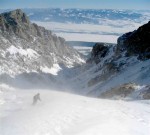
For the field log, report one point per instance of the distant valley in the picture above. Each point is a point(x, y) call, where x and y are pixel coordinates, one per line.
point(103, 25)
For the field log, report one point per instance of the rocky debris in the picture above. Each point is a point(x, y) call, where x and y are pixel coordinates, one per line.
point(145, 92)
point(120, 91)
point(136, 42)
point(128, 90)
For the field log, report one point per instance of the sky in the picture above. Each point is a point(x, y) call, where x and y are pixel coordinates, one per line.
point(90, 4)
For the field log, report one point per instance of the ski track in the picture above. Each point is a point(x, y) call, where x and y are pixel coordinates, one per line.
point(67, 114)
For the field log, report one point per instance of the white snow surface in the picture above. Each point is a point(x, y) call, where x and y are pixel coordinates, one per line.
point(67, 114)
point(53, 70)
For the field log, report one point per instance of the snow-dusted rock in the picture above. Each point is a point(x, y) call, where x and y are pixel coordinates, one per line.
point(109, 68)
point(27, 47)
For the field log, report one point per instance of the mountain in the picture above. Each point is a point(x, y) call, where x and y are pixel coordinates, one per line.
point(34, 60)
point(27, 48)
point(118, 71)
point(92, 16)
point(136, 42)
point(31, 55)
point(91, 25)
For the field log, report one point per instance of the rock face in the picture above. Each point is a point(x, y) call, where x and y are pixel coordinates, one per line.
point(13, 18)
point(27, 47)
point(136, 42)
point(100, 50)
point(120, 70)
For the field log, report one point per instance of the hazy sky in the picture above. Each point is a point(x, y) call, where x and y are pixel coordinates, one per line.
point(109, 4)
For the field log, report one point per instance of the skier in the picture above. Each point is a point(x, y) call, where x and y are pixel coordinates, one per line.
point(36, 98)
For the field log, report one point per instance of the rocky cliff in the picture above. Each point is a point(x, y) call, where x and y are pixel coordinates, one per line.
point(136, 42)
point(99, 51)
point(27, 47)
point(121, 70)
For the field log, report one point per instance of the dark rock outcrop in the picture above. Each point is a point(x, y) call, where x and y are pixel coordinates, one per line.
point(127, 90)
point(99, 51)
point(14, 22)
point(136, 42)
point(119, 91)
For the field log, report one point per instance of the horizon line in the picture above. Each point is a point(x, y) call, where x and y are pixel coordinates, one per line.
point(72, 8)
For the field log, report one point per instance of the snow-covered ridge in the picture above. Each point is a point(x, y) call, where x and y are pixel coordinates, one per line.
point(118, 71)
point(30, 54)
point(27, 47)
point(110, 76)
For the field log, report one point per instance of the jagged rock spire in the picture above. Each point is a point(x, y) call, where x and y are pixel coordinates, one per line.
point(14, 21)
point(17, 15)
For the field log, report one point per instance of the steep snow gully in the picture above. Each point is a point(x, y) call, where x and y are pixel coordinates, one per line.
point(34, 60)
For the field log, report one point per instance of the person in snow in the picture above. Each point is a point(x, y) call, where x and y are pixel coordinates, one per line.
point(36, 98)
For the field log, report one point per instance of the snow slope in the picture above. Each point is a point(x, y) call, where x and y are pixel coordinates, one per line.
point(66, 114)
point(94, 79)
